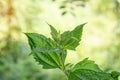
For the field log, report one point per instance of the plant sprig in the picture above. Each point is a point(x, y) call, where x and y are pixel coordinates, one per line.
point(51, 53)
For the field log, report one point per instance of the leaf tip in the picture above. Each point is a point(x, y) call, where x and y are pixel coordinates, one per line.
point(83, 24)
point(86, 59)
point(27, 34)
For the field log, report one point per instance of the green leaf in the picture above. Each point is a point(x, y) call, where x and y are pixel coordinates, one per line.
point(88, 70)
point(54, 33)
point(87, 64)
point(70, 39)
point(115, 75)
point(84, 74)
point(45, 51)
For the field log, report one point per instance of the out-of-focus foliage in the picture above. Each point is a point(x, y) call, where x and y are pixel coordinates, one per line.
point(100, 41)
point(14, 62)
point(68, 6)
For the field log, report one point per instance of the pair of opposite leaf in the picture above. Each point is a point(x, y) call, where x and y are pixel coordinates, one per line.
point(51, 53)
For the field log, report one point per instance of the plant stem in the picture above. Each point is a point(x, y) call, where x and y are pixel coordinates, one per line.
point(63, 68)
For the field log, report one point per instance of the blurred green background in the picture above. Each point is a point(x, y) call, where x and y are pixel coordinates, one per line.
point(100, 40)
